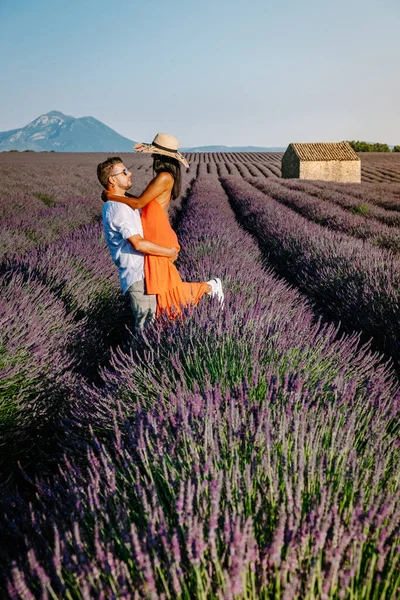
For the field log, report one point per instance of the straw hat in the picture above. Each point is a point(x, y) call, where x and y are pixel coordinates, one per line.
point(163, 143)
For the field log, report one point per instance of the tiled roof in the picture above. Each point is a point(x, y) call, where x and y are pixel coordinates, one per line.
point(325, 151)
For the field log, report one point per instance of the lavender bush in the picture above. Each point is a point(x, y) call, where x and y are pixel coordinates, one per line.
point(249, 452)
point(39, 205)
point(266, 324)
point(322, 208)
point(23, 231)
point(268, 486)
point(350, 281)
point(386, 196)
point(346, 199)
point(276, 495)
point(80, 273)
point(77, 286)
point(36, 337)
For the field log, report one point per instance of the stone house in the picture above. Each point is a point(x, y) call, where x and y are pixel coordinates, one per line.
point(326, 161)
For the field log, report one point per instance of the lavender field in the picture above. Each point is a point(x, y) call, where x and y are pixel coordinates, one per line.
point(244, 453)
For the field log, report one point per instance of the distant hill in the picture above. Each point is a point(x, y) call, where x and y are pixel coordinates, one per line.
point(59, 132)
point(62, 133)
point(234, 149)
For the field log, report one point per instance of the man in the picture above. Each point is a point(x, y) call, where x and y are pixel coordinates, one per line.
point(124, 235)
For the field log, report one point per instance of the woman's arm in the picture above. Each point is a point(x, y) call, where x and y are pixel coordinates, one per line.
point(146, 247)
point(163, 182)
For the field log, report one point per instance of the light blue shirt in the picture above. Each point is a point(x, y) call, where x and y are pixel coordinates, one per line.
point(120, 222)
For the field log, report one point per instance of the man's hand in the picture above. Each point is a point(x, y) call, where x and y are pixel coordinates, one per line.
point(174, 255)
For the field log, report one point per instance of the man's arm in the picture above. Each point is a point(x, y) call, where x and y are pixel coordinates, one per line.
point(146, 247)
point(119, 218)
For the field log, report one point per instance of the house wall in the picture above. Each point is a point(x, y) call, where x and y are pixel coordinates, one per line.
point(290, 164)
point(347, 171)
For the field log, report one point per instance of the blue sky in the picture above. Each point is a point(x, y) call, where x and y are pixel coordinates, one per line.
point(232, 72)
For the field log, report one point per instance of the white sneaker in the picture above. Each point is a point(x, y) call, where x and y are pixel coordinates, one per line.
point(216, 290)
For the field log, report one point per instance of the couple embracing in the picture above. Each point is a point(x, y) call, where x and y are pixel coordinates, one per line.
point(141, 240)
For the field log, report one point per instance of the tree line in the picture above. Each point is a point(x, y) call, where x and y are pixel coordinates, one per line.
point(376, 147)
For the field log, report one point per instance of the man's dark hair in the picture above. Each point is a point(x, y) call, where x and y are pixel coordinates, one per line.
point(170, 165)
point(105, 168)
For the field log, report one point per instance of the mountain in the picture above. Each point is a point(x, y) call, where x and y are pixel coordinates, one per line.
point(59, 132)
point(233, 149)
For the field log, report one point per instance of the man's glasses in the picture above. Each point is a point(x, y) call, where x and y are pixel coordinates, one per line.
point(125, 172)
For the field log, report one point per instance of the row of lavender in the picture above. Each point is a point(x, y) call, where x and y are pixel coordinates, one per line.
point(375, 167)
point(337, 211)
point(62, 311)
point(380, 167)
point(84, 287)
point(251, 453)
point(43, 199)
point(349, 280)
point(42, 196)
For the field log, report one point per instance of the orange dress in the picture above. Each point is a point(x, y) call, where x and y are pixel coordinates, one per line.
point(161, 276)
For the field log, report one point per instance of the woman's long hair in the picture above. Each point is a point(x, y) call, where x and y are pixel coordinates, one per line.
point(170, 165)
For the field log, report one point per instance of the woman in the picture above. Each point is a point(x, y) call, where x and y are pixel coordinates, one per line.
point(161, 276)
